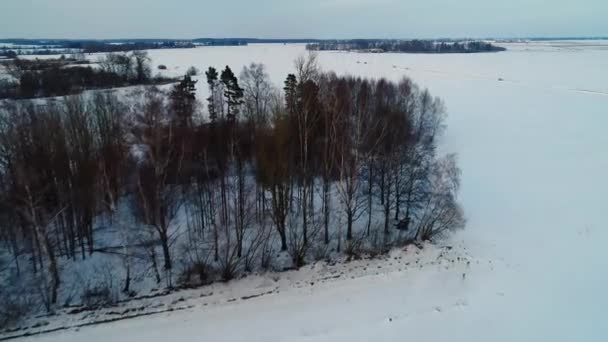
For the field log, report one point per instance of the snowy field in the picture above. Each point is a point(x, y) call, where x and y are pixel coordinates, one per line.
point(529, 126)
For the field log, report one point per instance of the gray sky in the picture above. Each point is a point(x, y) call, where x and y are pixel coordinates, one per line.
point(301, 18)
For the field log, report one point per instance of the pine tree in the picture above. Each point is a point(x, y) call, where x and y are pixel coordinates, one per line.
point(233, 94)
point(183, 97)
point(291, 93)
point(212, 82)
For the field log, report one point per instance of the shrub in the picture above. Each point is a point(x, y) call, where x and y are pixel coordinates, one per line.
point(13, 309)
point(192, 71)
point(19, 296)
point(98, 296)
point(354, 248)
point(198, 269)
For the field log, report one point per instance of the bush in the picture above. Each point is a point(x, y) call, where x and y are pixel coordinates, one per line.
point(321, 251)
point(198, 269)
point(355, 248)
point(19, 296)
point(8, 88)
point(192, 71)
point(98, 296)
point(103, 291)
point(13, 309)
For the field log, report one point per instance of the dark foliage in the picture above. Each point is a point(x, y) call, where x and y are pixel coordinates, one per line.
point(58, 77)
point(408, 46)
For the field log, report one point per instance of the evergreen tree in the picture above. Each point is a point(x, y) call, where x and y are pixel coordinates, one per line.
point(212, 82)
point(233, 93)
point(183, 97)
point(291, 93)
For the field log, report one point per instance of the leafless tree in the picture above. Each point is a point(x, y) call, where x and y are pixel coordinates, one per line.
point(158, 163)
point(257, 94)
point(441, 212)
point(307, 67)
point(84, 159)
point(274, 169)
point(118, 63)
point(141, 66)
point(109, 129)
point(24, 134)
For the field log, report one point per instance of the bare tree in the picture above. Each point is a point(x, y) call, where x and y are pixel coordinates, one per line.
point(257, 94)
point(307, 67)
point(274, 169)
point(353, 116)
point(23, 134)
point(119, 63)
point(441, 212)
point(84, 159)
point(158, 164)
point(108, 122)
point(142, 69)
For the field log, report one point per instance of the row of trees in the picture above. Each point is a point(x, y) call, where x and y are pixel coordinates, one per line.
point(55, 47)
point(4, 52)
point(409, 46)
point(329, 165)
point(101, 46)
point(133, 66)
point(65, 76)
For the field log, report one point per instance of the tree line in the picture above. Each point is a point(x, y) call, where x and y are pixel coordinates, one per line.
point(59, 46)
point(217, 187)
point(72, 75)
point(102, 46)
point(407, 46)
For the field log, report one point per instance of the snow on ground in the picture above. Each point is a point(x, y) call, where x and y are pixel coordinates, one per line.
point(529, 127)
point(307, 280)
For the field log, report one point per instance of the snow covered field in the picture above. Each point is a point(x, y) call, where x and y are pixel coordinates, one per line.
point(529, 125)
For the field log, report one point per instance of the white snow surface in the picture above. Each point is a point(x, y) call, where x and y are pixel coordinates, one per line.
point(529, 126)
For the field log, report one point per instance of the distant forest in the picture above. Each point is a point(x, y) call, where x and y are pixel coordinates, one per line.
point(95, 46)
point(246, 41)
point(49, 47)
point(406, 46)
point(72, 75)
point(62, 46)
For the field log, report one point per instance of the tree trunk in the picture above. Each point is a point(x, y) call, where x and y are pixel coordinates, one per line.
point(369, 200)
point(47, 249)
point(126, 289)
point(387, 206)
point(397, 197)
point(283, 239)
point(164, 240)
point(53, 270)
point(216, 246)
point(326, 205)
point(305, 214)
point(349, 225)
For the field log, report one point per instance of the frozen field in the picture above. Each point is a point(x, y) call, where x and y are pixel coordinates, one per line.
point(529, 126)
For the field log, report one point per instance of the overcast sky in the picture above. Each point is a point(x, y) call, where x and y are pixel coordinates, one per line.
point(301, 18)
